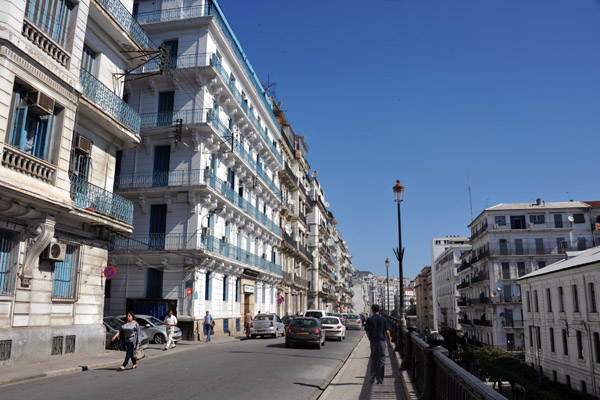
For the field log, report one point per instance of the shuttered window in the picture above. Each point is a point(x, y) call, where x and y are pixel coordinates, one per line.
point(65, 275)
point(8, 261)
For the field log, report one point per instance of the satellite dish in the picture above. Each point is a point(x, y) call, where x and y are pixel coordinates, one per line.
point(288, 229)
point(299, 174)
point(314, 174)
point(297, 238)
point(327, 205)
point(494, 294)
point(570, 218)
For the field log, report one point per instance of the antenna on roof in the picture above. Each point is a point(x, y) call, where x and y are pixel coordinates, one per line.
point(470, 199)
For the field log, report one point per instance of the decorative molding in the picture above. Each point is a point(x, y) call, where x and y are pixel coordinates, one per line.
point(143, 204)
point(39, 236)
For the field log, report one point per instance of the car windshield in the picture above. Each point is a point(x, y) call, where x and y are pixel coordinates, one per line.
point(354, 316)
point(304, 322)
point(329, 321)
point(114, 323)
point(263, 318)
point(316, 314)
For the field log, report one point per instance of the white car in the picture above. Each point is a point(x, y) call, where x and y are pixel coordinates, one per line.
point(266, 324)
point(318, 314)
point(333, 327)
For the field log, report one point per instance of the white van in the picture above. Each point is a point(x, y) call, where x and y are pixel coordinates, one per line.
point(315, 314)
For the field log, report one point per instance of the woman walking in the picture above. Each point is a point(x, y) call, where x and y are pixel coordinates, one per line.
point(130, 336)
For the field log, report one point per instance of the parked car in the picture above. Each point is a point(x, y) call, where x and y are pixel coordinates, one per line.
point(315, 313)
point(266, 324)
point(353, 321)
point(305, 330)
point(333, 327)
point(154, 328)
point(112, 325)
point(340, 316)
point(286, 321)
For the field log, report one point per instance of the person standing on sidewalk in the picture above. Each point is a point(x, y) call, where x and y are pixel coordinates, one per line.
point(130, 333)
point(247, 322)
point(378, 330)
point(208, 325)
point(171, 323)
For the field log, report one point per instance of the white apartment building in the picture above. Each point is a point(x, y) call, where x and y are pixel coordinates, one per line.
point(204, 180)
point(509, 241)
point(360, 290)
point(446, 279)
point(562, 325)
point(437, 246)
point(62, 122)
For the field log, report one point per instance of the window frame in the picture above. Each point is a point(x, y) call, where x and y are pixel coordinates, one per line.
point(65, 277)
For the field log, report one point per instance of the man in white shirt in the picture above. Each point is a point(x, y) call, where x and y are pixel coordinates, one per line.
point(171, 323)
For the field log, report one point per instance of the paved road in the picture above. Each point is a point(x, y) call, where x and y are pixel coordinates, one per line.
point(259, 368)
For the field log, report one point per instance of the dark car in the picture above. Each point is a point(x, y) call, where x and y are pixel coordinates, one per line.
point(112, 325)
point(286, 321)
point(304, 330)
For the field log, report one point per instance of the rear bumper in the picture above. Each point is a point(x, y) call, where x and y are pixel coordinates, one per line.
point(263, 331)
point(302, 339)
point(353, 326)
point(334, 333)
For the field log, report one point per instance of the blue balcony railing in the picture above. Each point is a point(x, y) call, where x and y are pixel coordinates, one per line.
point(95, 199)
point(126, 20)
point(161, 178)
point(171, 14)
point(195, 241)
point(109, 102)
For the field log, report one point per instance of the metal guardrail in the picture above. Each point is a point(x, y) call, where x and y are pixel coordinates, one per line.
point(126, 20)
point(433, 374)
point(109, 102)
point(95, 199)
point(194, 241)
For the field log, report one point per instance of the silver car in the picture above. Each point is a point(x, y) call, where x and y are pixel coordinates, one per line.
point(112, 325)
point(154, 328)
point(353, 321)
point(267, 324)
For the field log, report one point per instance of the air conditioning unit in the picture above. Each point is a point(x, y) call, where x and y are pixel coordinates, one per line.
point(495, 226)
point(40, 102)
point(531, 225)
point(56, 251)
point(83, 144)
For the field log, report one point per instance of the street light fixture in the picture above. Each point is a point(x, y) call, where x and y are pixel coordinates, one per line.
point(387, 279)
point(398, 197)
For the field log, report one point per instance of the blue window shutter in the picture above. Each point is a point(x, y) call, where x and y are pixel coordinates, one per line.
point(162, 161)
point(65, 275)
point(158, 222)
point(18, 134)
point(166, 103)
point(39, 144)
point(207, 286)
point(225, 288)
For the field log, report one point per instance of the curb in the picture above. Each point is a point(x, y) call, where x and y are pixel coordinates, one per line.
point(335, 371)
point(409, 389)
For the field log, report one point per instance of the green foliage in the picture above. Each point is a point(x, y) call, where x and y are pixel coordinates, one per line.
point(502, 365)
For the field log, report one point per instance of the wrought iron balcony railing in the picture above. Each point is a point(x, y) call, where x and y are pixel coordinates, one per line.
point(95, 199)
point(482, 322)
point(171, 14)
point(195, 241)
point(109, 102)
point(126, 20)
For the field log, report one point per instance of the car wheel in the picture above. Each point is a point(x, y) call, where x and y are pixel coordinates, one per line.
point(159, 339)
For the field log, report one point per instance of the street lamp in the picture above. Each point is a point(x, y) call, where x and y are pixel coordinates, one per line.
point(387, 279)
point(398, 197)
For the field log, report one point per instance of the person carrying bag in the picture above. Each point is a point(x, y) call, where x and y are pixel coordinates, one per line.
point(130, 337)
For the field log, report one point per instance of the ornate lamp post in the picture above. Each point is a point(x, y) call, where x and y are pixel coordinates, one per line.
point(387, 279)
point(398, 197)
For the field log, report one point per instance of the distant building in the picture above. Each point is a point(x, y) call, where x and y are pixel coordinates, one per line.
point(445, 282)
point(562, 324)
point(424, 289)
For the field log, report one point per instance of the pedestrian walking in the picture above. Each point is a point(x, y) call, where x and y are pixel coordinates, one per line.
point(171, 323)
point(378, 332)
point(247, 322)
point(209, 323)
point(130, 333)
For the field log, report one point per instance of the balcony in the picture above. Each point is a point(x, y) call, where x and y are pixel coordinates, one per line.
point(187, 242)
point(465, 302)
point(124, 18)
point(463, 285)
point(171, 14)
point(302, 217)
point(288, 277)
point(465, 321)
point(109, 102)
point(482, 322)
point(478, 232)
point(515, 323)
point(97, 200)
point(306, 253)
point(43, 36)
point(288, 239)
point(27, 164)
point(532, 250)
point(480, 278)
point(302, 282)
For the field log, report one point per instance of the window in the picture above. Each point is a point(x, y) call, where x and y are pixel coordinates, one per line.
point(538, 337)
point(517, 222)
point(581, 244)
point(166, 103)
point(575, 298)
point(154, 284)
point(551, 335)
point(521, 268)
point(565, 342)
point(561, 245)
point(597, 347)
point(537, 219)
point(33, 121)
point(548, 300)
point(157, 226)
point(568, 381)
point(528, 301)
point(541, 264)
point(207, 286)
point(530, 336)
point(539, 246)
point(52, 17)
point(578, 219)
point(554, 376)
point(9, 248)
point(225, 281)
point(579, 344)
point(500, 220)
point(535, 301)
point(592, 296)
point(558, 223)
point(161, 165)
point(80, 162)
point(65, 275)
point(583, 386)
point(561, 299)
point(88, 59)
point(237, 290)
point(505, 270)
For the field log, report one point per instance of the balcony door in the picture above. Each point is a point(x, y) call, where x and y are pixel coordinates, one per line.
point(166, 102)
point(158, 226)
point(162, 160)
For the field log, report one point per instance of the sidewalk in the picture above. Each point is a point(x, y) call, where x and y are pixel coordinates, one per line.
point(352, 381)
point(110, 358)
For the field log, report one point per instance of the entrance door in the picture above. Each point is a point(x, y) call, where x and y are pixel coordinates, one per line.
point(248, 303)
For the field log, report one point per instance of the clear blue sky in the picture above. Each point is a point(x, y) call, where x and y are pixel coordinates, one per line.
point(504, 92)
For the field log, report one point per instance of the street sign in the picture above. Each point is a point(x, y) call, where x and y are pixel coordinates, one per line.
point(189, 291)
point(110, 272)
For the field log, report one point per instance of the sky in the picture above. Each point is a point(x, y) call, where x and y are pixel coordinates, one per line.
point(504, 94)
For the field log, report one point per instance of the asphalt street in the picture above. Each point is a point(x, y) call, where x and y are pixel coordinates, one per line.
point(253, 368)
